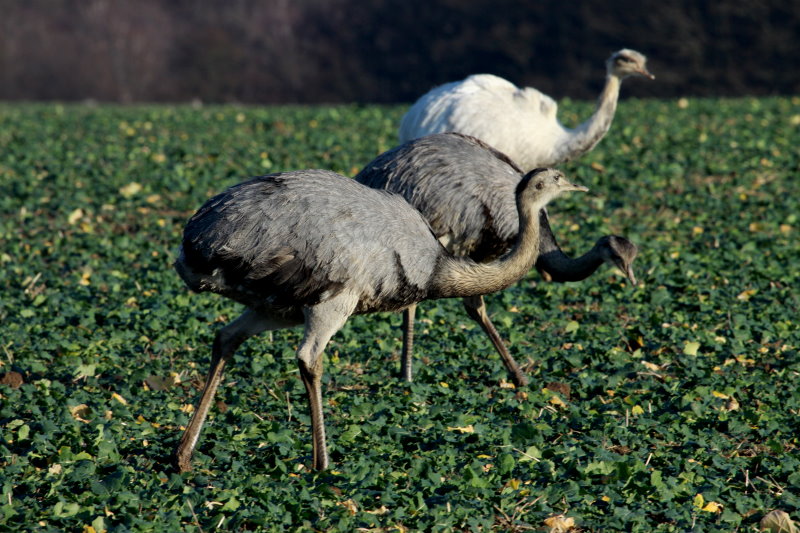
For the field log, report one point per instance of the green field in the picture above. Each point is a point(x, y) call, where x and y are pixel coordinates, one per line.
point(671, 405)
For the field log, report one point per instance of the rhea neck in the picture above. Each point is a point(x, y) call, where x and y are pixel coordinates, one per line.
point(458, 277)
point(583, 138)
point(556, 263)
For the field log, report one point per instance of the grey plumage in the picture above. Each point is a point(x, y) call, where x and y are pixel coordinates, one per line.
point(263, 236)
point(312, 248)
point(465, 189)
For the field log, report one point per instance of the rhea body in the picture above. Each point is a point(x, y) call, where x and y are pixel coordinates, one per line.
point(465, 189)
point(520, 122)
point(312, 248)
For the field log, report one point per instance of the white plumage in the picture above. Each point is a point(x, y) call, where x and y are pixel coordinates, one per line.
point(520, 122)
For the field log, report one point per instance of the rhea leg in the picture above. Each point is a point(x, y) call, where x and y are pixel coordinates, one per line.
point(228, 339)
point(322, 321)
point(476, 309)
point(408, 342)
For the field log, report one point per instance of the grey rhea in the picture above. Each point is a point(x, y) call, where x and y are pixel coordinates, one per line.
point(465, 190)
point(312, 248)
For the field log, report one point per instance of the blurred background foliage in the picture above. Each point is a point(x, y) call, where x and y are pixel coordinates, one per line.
point(385, 51)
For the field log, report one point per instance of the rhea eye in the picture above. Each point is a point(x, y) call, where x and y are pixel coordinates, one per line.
point(539, 184)
point(623, 59)
point(557, 177)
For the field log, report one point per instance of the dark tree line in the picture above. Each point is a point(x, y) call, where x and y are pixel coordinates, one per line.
point(281, 51)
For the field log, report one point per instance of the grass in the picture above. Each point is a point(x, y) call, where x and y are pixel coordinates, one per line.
point(669, 406)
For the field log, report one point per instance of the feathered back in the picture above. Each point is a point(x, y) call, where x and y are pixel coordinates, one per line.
point(519, 121)
point(461, 185)
point(292, 239)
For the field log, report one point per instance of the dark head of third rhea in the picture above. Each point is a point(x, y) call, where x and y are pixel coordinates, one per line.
point(620, 252)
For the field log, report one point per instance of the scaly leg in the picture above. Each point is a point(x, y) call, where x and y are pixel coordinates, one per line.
point(476, 309)
point(322, 322)
point(408, 342)
point(228, 339)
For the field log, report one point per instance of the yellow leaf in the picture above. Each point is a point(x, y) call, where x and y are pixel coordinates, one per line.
point(80, 412)
point(558, 402)
point(130, 189)
point(379, 511)
point(713, 507)
point(350, 505)
point(699, 501)
point(606, 499)
point(559, 523)
point(637, 410)
point(732, 404)
point(745, 295)
point(690, 348)
point(507, 384)
point(119, 398)
point(514, 484)
point(720, 395)
point(75, 216)
point(443, 384)
point(89, 529)
point(651, 366)
point(465, 429)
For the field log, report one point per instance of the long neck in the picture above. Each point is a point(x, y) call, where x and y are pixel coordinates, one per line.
point(460, 276)
point(556, 263)
point(587, 135)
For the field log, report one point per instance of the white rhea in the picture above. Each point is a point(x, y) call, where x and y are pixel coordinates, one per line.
point(520, 122)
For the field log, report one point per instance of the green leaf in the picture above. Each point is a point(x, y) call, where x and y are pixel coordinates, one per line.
point(532, 453)
point(85, 370)
point(231, 505)
point(506, 463)
point(350, 433)
point(600, 467)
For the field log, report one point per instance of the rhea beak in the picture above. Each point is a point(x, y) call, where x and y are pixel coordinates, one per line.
point(646, 73)
point(569, 186)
